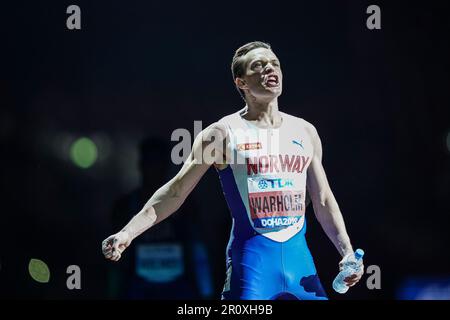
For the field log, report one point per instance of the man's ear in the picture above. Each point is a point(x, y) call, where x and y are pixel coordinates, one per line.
point(240, 83)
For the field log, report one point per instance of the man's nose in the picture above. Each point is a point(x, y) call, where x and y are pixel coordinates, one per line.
point(269, 68)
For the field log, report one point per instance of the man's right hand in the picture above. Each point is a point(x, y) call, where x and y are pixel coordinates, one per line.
point(114, 245)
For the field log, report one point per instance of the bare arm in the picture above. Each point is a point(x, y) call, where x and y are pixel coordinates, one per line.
point(325, 205)
point(326, 208)
point(206, 150)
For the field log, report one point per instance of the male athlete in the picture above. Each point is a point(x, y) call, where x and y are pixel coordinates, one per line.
point(266, 161)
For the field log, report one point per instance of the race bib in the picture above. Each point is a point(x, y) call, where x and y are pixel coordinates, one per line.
point(274, 202)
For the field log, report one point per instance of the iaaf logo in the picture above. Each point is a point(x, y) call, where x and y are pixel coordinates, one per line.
point(275, 183)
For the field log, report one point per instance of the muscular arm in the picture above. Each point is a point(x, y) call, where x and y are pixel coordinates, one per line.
point(167, 199)
point(206, 150)
point(325, 205)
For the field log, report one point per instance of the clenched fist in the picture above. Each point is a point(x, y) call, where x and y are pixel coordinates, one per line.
point(114, 245)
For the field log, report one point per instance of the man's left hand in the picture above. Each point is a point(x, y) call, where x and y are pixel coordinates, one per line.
point(354, 278)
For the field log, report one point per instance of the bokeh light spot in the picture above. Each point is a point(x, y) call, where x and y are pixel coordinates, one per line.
point(39, 271)
point(83, 152)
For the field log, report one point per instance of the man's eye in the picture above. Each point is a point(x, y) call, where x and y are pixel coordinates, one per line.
point(257, 65)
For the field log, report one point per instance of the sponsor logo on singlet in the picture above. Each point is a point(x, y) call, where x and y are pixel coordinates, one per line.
point(298, 143)
point(249, 146)
point(278, 183)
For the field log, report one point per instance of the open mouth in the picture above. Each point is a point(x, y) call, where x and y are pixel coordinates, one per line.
point(272, 80)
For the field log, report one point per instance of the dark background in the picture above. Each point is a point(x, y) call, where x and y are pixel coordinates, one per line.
point(379, 99)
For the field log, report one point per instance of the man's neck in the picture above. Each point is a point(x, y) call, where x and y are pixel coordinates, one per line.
point(265, 114)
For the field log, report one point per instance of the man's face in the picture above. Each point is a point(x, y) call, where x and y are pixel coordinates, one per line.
point(262, 77)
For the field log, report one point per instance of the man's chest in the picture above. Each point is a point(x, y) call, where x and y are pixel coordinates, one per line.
point(273, 150)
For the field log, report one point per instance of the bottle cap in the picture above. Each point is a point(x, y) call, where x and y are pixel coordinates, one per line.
point(359, 253)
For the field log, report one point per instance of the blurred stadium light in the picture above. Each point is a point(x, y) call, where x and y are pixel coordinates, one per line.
point(424, 288)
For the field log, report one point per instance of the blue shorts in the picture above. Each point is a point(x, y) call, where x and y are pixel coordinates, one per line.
point(259, 268)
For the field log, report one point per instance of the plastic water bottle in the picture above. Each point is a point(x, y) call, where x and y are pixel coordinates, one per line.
point(350, 267)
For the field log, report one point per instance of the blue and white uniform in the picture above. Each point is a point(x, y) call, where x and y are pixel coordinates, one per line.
point(264, 185)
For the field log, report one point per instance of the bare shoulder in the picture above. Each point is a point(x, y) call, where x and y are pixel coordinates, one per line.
point(215, 130)
point(310, 128)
